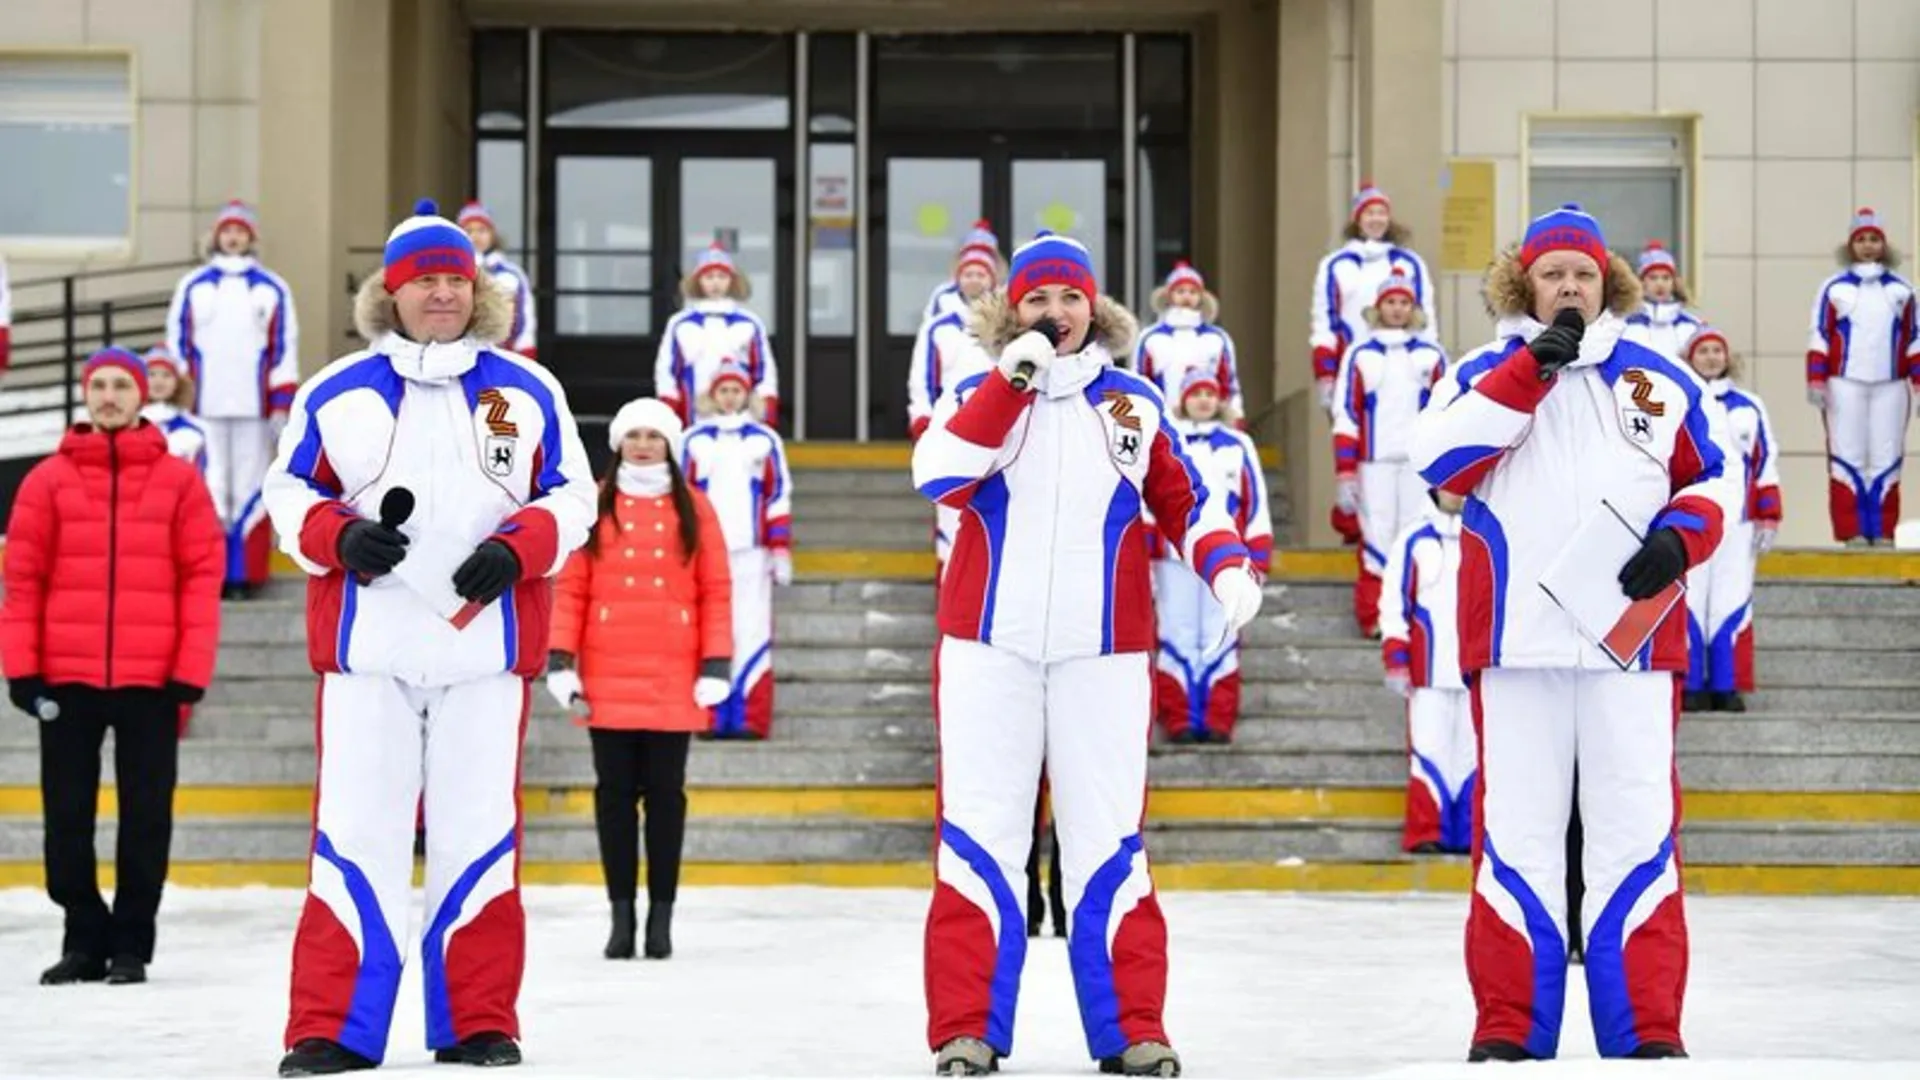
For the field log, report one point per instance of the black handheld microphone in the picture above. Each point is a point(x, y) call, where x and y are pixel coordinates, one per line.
point(396, 507)
point(1572, 320)
point(1023, 372)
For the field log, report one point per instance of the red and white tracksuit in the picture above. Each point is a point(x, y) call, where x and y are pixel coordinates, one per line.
point(485, 442)
point(232, 324)
point(1418, 638)
point(509, 277)
point(701, 336)
point(944, 353)
point(1720, 590)
point(1045, 661)
point(742, 466)
point(1196, 673)
point(1866, 355)
point(1663, 326)
point(1181, 341)
point(1535, 461)
point(1344, 287)
point(1379, 390)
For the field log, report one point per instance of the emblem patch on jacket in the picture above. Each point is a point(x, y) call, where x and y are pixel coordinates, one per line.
point(1127, 436)
point(503, 435)
point(1639, 413)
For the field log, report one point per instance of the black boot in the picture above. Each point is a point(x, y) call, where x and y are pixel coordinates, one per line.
point(659, 931)
point(1657, 1050)
point(126, 971)
point(620, 941)
point(74, 967)
point(1728, 701)
point(1498, 1051)
point(1426, 847)
point(322, 1057)
point(1696, 701)
point(488, 1050)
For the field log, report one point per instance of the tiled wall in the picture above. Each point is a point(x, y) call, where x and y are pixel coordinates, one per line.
point(1808, 110)
point(198, 135)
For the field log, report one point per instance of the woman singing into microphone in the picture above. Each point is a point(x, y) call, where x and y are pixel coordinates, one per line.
point(1053, 458)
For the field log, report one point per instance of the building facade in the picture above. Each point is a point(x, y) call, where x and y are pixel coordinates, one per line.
point(841, 149)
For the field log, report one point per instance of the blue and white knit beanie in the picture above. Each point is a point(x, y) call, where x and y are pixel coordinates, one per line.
point(1568, 228)
point(1051, 259)
point(1198, 377)
point(981, 238)
point(715, 258)
point(1183, 273)
point(1865, 220)
point(1368, 195)
point(237, 213)
point(1657, 257)
point(427, 243)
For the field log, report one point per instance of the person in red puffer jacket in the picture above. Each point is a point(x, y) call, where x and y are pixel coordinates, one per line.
point(111, 620)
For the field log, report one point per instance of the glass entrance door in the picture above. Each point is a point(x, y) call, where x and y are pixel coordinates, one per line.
point(626, 217)
point(928, 196)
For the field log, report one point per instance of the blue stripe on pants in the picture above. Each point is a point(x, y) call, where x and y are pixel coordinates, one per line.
point(1011, 954)
point(1087, 952)
point(433, 950)
point(377, 983)
point(1549, 956)
point(1607, 990)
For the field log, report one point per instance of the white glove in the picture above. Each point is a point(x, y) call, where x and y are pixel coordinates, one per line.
point(1325, 386)
point(1239, 595)
point(1031, 347)
point(780, 565)
point(276, 424)
point(564, 686)
point(709, 691)
point(1764, 534)
point(1400, 681)
point(1347, 495)
point(1817, 395)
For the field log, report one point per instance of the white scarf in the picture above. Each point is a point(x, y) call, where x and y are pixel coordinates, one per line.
point(1369, 250)
point(643, 481)
point(1870, 271)
point(1182, 317)
point(432, 362)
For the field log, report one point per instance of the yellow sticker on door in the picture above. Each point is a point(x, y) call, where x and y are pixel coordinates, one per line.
point(1059, 217)
point(933, 219)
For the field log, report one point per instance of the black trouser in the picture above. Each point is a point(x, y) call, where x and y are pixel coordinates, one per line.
point(648, 767)
point(1576, 874)
point(146, 756)
point(1043, 829)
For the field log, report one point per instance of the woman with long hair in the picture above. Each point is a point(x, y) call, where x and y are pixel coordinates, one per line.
point(642, 643)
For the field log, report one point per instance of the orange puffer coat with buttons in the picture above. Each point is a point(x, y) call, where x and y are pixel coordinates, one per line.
point(639, 617)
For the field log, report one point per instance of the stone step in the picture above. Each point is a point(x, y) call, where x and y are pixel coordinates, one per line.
point(869, 533)
point(737, 840)
point(878, 482)
point(813, 508)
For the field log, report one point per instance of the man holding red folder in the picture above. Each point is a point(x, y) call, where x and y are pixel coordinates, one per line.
point(432, 484)
point(1556, 421)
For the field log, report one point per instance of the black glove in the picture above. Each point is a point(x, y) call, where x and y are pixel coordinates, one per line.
point(184, 693)
point(24, 691)
point(1659, 563)
point(716, 667)
point(372, 549)
point(489, 571)
point(1558, 345)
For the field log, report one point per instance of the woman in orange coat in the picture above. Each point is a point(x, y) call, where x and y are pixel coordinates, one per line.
point(642, 644)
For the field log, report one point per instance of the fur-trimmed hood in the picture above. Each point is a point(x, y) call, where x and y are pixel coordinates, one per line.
point(374, 314)
point(1509, 294)
point(740, 288)
point(1209, 303)
point(993, 320)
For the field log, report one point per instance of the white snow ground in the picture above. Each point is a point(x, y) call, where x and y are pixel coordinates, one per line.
point(827, 982)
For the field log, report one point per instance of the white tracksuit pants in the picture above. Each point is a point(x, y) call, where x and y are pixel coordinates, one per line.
point(1535, 726)
point(1444, 756)
point(1720, 614)
point(1001, 719)
point(239, 451)
point(1392, 496)
point(1197, 677)
point(749, 709)
point(1866, 438)
point(381, 741)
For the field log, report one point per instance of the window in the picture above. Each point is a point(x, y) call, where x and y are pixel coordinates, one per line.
point(997, 82)
point(1634, 175)
point(499, 149)
point(668, 80)
point(1164, 169)
point(66, 134)
point(500, 80)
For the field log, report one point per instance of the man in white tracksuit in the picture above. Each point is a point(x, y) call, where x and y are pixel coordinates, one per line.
point(1045, 658)
point(497, 492)
point(1420, 648)
point(1541, 431)
point(232, 324)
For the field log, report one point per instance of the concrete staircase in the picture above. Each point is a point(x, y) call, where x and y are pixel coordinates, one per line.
point(1817, 790)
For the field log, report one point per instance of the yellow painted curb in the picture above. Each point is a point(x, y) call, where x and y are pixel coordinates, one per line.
point(1437, 875)
point(1843, 565)
point(1314, 564)
point(911, 565)
point(850, 455)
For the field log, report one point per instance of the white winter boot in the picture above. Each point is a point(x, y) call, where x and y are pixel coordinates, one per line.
point(1144, 1059)
point(965, 1056)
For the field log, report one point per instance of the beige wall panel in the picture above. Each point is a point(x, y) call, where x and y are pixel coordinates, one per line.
point(1886, 29)
point(165, 236)
point(45, 22)
point(1725, 218)
point(1886, 97)
point(1806, 109)
point(166, 155)
point(1888, 187)
point(1493, 95)
point(1728, 303)
point(1507, 29)
point(1597, 86)
point(227, 49)
point(226, 153)
point(1805, 205)
point(1803, 29)
point(1721, 91)
point(1784, 291)
point(161, 31)
point(1703, 29)
point(1618, 29)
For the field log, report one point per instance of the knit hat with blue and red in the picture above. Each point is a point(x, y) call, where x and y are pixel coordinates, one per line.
point(1368, 195)
point(1865, 220)
point(715, 258)
point(1199, 377)
point(730, 370)
point(116, 357)
point(1050, 259)
point(1183, 273)
point(473, 211)
point(1657, 257)
point(1568, 228)
point(427, 243)
point(1396, 282)
point(161, 356)
point(981, 238)
point(237, 213)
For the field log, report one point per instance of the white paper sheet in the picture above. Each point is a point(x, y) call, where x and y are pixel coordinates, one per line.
point(1584, 580)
